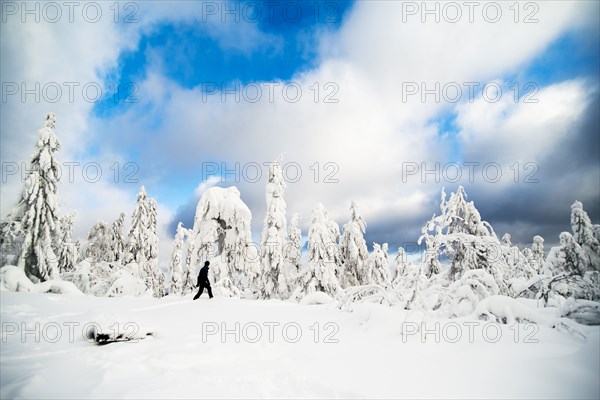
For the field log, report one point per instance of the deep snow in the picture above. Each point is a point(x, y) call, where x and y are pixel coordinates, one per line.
point(371, 357)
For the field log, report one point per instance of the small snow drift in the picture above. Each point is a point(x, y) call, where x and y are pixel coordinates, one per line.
point(316, 298)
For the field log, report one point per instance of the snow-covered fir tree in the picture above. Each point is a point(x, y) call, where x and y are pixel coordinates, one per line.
point(99, 243)
point(118, 239)
point(176, 264)
point(69, 255)
point(137, 237)
point(37, 210)
point(506, 240)
point(400, 261)
point(188, 273)
point(142, 243)
point(222, 235)
point(353, 250)
point(323, 254)
point(537, 251)
point(584, 235)
point(293, 253)
point(272, 240)
point(11, 241)
point(568, 258)
point(378, 265)
point(469, 241)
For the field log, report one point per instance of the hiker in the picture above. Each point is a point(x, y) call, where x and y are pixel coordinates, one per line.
point(203, 282)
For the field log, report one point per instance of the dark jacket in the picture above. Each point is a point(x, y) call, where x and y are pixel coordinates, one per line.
point(203, 277)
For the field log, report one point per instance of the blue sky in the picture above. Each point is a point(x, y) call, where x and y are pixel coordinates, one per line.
point(362, 48)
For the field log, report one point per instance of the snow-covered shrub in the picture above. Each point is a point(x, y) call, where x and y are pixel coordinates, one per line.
point(13, 279)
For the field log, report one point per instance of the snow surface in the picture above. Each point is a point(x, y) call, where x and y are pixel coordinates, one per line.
point(368, 354)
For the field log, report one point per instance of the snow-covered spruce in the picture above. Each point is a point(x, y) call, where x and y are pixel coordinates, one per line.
point(99, 243)
point(323, 254)
point(118, 239)
point(176, 264)
point(142, 244)
point(272, 240)
point(353, 250)
point(37, 210)
point(378, 265)
point(69, 255)
point(222, 235)
point(293, 255)
point(584, 235)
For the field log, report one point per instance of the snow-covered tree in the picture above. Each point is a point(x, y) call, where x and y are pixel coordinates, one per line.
point(323, 254)
point(537, 251)
point(142, 243)
point(11, 241)
point(37, 209)
point(154, 275)
point(222, 235)
point(293, 246)
point(584, 235)
point(272, 240)
point(118, 239)
point(400, 265)
point(188, 273)
point(176, 265)
point(353, 250)
point(137, 237)
point(470, 242)
point(567, 258)
point(69, 255)
point(99, 243)
point(378, 265)
point(506, 240)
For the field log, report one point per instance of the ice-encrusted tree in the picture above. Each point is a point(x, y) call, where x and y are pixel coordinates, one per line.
point(118, 239)
point(400, 265)
point(222, 235)
point(142, 243)
point(293, 253)
point(188, 274)
point(584, 235)
point(99, 243)
point(11, 241)
point(154, 275)
point(469, 241)
point(69, 256)
point(537, 251)
point(176, 265)
point(272, 239)
point(323, 254)
point(567, 258)
point(37, 210)
point(353, 250)
point(378, 265)
point(506, 240)
point(138, 232)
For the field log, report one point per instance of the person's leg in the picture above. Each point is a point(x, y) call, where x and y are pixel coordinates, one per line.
point(199, 293)
point(209, 289)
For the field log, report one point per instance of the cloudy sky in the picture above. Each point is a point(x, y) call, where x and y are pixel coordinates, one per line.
point(380, 102)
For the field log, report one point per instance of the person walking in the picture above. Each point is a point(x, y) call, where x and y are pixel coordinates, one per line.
point(203, 282)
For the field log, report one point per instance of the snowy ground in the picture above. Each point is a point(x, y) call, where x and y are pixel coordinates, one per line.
point(367, 356)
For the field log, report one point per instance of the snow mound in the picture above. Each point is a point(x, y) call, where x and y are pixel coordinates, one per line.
point(13, 279)
point(506, 310)
point(316, 298)
point(58, 287)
